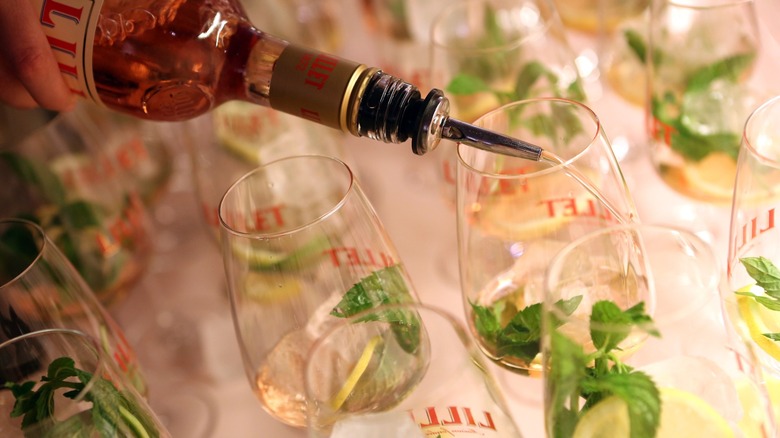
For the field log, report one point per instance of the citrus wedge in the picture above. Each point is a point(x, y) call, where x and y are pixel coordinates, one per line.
point(265, 288)
point(357, 372)
point(754, 413)
point(683, 414)
point(713, 176)
point(759, 320)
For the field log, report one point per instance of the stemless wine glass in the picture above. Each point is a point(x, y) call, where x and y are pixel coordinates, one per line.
point(486, 53)
point(59, 382)
point(634, 345)
point(303, 248)
point(406, 371)
point(701, 91)
point(749, 296)
point(72, 177)
point(514, 214)
point(40, 289)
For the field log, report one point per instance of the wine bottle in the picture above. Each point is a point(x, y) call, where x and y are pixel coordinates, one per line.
point(172, 60)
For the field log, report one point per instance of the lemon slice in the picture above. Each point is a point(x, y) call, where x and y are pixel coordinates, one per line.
point(754, 415)
point(759, 320)
point(712, 177)
point(469, 107)
point(683, 414)
point(357, 372)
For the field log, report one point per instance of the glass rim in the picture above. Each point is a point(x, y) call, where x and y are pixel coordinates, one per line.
point(552, 168)
point(350, 188)
point(437, 43)
point(42, 245)
point(638, 228)
point(101, 362)
point(746, 140)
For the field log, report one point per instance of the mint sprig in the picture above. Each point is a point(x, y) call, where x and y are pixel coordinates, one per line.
point(767, 277)
point(575, 375)
point(112, 413)
point(521, 336)
point(386, 286)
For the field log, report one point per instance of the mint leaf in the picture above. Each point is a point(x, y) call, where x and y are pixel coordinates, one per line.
point(730, 68)
point(522, 335)
point(636, 43)
point(464, 84)
point(382, 287)
point(487, 320)
point(639, 392)
point(765, 273)
point(112, 413)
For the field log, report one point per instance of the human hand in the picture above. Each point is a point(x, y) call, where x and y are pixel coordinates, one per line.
point(29, 73)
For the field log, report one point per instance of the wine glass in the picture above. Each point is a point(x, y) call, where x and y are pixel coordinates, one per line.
point(747, 295)
point(237, 137)
point(303, 248)
point(633, 345)
point(701, 90)
point(487, 53)
point(406, 370)
point(40, 289)
point(513, 215)
point(73, 176)
point(59, 382)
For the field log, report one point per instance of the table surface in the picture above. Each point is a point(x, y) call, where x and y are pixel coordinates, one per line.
point(179, 319)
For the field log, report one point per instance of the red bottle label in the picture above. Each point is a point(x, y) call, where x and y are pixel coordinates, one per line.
point(70, 27)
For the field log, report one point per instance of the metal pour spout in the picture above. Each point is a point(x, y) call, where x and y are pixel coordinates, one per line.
point(435, 124)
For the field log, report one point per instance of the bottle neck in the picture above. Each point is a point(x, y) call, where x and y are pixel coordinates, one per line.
point(342, 94)
point(393, 111)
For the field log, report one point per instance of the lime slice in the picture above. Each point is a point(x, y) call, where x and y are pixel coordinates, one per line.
point(683, 414)
point(713, 176)
point(266, 288)
point(264, 260)
point(357, 372)
point(608, 418)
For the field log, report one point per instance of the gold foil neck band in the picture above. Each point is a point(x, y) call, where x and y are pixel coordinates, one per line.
point(350, 104)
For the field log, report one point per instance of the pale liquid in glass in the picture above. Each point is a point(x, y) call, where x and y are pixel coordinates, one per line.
point(520, 286)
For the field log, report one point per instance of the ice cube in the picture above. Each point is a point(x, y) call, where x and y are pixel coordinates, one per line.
point(721, 108)
point(397, 424)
